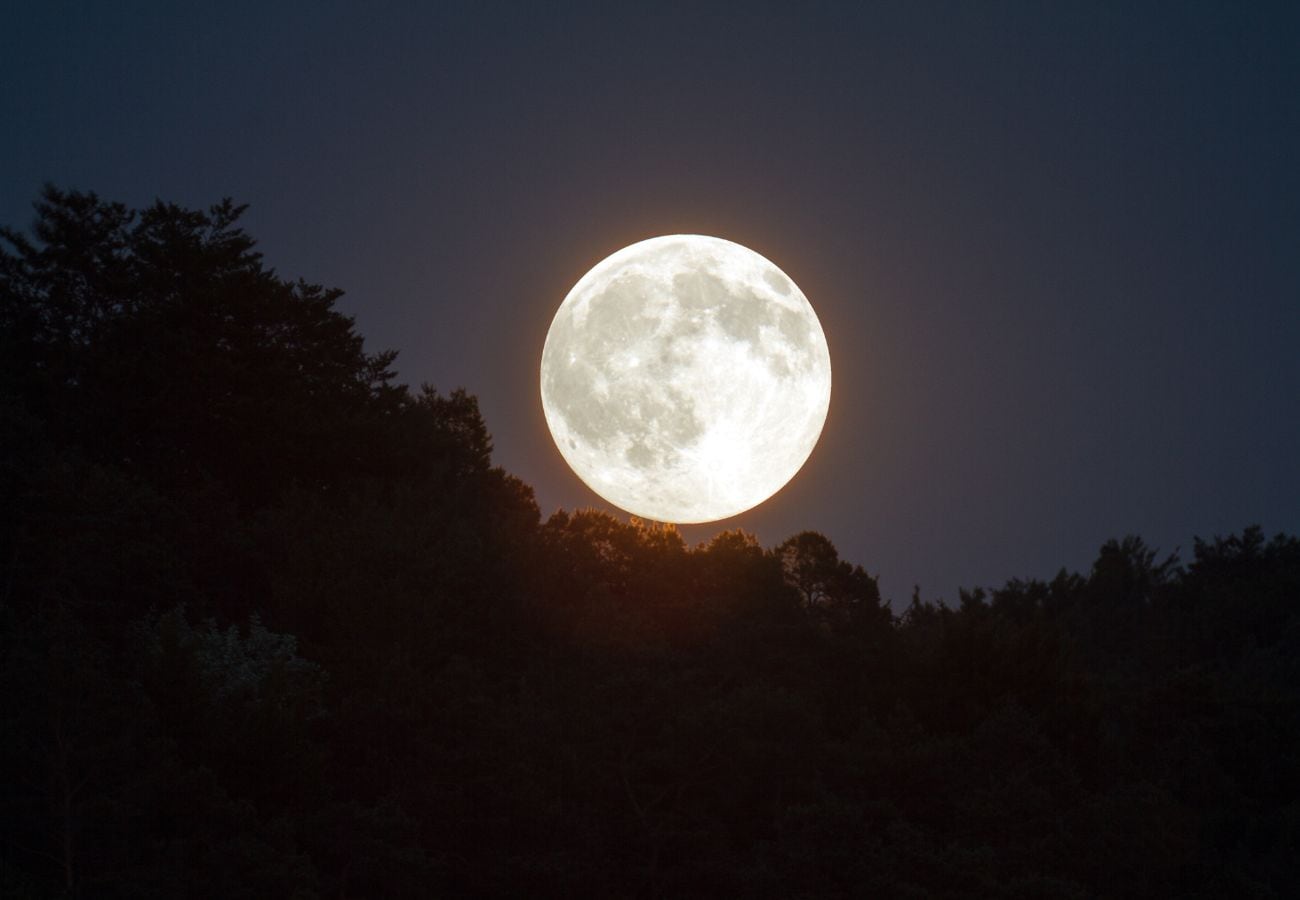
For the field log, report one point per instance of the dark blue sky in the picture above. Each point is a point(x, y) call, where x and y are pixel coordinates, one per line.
point(1055, 247)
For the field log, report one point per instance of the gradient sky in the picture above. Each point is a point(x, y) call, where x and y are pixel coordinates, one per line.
point(1055, 246)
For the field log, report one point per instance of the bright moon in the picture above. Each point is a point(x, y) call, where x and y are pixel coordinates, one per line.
point(685, 379)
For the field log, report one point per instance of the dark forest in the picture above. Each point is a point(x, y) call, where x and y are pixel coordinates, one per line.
point(273, 625)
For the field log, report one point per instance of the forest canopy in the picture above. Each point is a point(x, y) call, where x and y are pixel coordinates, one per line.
point(273, 624)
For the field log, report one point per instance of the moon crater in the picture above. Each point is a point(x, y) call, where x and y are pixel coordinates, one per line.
point(685, 378)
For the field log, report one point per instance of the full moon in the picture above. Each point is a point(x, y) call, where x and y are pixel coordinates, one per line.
point(685, 379)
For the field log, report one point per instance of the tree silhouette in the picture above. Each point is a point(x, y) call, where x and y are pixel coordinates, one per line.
point(157, 342)
point(272, 624)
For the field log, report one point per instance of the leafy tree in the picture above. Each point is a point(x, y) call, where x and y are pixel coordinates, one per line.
point(843, 594)
point(274, 625)
point(158, 342)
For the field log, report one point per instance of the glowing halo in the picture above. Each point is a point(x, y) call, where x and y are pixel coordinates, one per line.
point(685, 378)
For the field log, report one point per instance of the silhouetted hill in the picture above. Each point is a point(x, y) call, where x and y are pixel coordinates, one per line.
point(274, 625)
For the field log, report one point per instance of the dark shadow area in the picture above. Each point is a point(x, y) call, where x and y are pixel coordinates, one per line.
point(273, 625)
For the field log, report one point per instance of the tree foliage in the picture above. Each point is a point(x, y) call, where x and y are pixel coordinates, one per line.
point(272, 624)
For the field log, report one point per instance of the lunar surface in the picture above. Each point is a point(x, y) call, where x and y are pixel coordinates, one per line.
point(685, 379)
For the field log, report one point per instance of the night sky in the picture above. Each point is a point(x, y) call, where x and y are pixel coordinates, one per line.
point(1055, 247)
